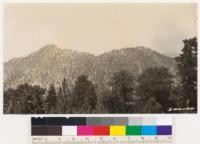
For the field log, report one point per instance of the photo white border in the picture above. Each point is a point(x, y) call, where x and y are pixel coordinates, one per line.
point(23, 121)
point(86, 1)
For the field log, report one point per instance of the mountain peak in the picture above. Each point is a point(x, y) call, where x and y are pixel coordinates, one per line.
point(50, 64)
point(137, 48)
point(50, 47)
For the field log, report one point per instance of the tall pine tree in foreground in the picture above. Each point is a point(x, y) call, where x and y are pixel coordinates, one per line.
point(122, 85)
point(187, 69)
point(155, 86)
point(52, 100)
point(64, 103)
point(84, 96)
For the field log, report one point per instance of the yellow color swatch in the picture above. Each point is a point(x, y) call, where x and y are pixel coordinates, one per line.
point(117, 130)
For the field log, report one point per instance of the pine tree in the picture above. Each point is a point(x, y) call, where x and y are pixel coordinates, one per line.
point(60, 105)
point(110, 102)
point(155, 82)
point(122, 84)
point(187, 69)
point(64, 104)
point(8, 100)
point(84, 95)
point(66, 97)
point(25, 99)
point(52, 100)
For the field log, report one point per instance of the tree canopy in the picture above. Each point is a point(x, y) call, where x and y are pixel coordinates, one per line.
point(156, 82)
point(187, 70)
point(84, 95)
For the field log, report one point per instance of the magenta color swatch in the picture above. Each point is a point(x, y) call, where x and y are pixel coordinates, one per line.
point(85, 130)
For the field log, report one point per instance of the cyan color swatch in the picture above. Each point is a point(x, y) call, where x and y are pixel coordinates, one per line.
point(149, 130)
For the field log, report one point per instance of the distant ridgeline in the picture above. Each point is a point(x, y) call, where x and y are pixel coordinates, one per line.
point(128, 80)
point(51, 64)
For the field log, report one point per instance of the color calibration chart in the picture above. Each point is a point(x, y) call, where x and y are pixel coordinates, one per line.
point(102, 130)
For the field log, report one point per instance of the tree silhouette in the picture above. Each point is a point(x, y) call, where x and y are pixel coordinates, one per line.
point(52, 100)
point(122, 84)
point(187, 69)
point(25, 99)
point(109, 101)
point(64, 103)
point(155, 82)
point(84, 95)
point(8, 101)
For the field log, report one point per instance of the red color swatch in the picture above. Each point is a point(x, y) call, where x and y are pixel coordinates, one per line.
point(101, 130)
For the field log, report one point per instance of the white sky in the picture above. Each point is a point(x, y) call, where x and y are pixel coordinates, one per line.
point(97, 28)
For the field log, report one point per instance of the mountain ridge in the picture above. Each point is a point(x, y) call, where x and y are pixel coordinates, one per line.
point(49, 46)
point(51, 64)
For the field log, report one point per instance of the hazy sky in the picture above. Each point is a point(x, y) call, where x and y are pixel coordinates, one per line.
point(97, 28)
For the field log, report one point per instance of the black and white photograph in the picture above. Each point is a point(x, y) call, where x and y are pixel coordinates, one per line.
point(100, 58)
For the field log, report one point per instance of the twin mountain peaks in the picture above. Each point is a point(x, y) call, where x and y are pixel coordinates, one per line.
point(51, 64)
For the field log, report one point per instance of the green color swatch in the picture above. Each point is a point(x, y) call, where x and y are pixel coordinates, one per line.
point(133, 130)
